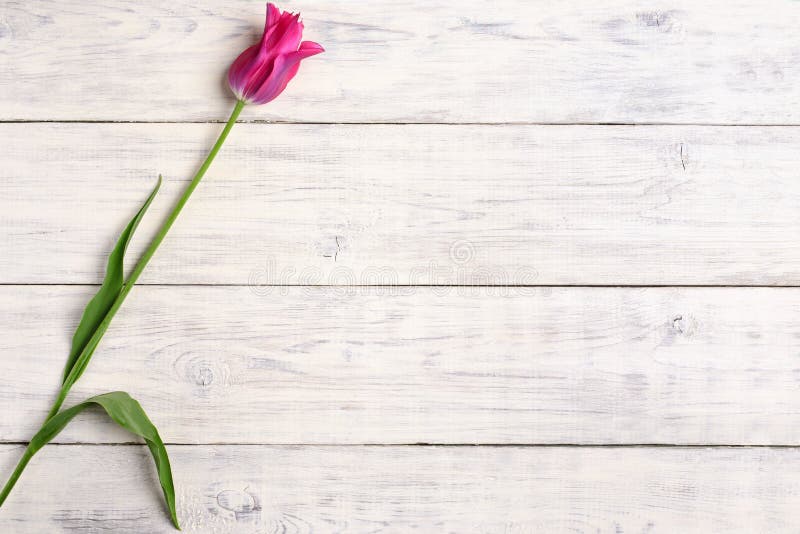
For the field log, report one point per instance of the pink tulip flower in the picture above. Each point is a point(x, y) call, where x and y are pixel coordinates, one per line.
point(262, 72)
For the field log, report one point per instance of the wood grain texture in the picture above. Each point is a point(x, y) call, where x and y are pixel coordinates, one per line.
point(434, 365)
point(415, 204)
point(719, 61)
point(285, 343)
point(265, 490)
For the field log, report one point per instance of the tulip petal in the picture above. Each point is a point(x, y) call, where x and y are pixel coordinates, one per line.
point(267, 91)
point(273, 14)
point(286, 36)
point(273, 17)
point(240, 72)
point(284, 70)
point(309, 46)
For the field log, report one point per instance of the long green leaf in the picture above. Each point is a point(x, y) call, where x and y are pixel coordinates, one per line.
point(98, 307)
point(130, 415)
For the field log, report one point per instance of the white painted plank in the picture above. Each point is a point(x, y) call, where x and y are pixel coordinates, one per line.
point(718, 61)
point(435, 365)
point(431, 204)
point(258, 489)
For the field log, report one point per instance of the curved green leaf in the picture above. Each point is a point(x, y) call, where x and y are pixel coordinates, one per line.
point(130, 415)
point(98, 307)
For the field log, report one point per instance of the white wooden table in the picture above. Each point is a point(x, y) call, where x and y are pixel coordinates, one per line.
point(504, 267)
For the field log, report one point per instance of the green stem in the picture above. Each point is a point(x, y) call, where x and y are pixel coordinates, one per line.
point(126, 288)
point(26, 457)
point(146, 255)
point(137, 270)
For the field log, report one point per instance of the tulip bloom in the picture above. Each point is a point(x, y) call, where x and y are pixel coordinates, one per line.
point(262, 72)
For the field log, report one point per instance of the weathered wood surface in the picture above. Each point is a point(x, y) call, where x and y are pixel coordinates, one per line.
point(682, 61)
point(414, 204)
point(409, 365)
point(273, 392)
point(262, 489)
